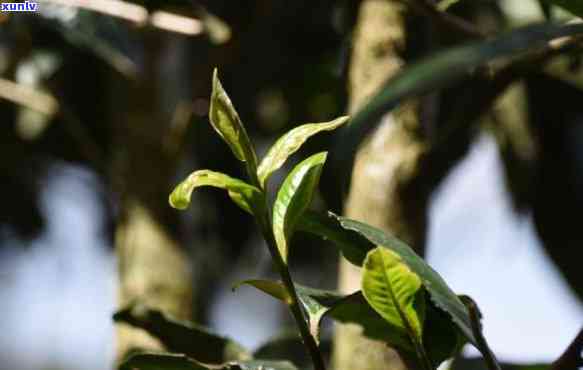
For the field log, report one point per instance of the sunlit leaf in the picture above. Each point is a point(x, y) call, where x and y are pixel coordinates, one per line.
point(353, 246)
point(294, 197)
point(168, 361)
point(274, 288)
point(291, 142)
point(228, 125)
point(394, 291)
point(246, 196)
point(188, 338)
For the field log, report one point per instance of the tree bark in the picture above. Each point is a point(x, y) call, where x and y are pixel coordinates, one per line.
point(383, 187)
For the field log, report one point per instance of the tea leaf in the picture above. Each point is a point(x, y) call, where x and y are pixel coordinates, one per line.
point(291, 142)
point(394, 291)
point(294, 197)
point(188, 338)
point(316, 302)
point(440, 293)
point(572, 6)
point(169, 361)
point(246, 196)
point(226, 122)
point(352, 245)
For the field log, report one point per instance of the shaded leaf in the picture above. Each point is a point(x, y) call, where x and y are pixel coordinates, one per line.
point(440, 293)
point(192, 340)
point(394, 291)
point(315, 302)
point(354, 309)
point(159, 361)
point(289, 345)
point(291, 142)
point(294, 197)
point(353, 246)
point(439, 71)
point(168, 361)
point(545, 6)
point(246, 196)
point(572, 6)
point(226, 122)
point(441, 339)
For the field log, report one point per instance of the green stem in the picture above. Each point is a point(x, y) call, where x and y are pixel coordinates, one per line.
point(422, 355)
point(294, 303)
point(264, 224)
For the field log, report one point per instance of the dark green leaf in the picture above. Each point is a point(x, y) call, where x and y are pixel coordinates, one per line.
point(287, 345)
point(228, 125)
point(545, 6)
point(438, 71)
point(294, 197)
point(160, 361)
point(289, 143)
point(167, 361)
point(394, 292)
point(441, 339)
point(573, 6)
point(353, 246)
point(246, 196)
point(187, 338)
point(354, 309)
point(438, 290)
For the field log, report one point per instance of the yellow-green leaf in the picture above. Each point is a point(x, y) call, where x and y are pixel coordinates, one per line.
point(273, 288)
point(226, 122)
point(294, 197)
point(291, 142)
point(394, 291)
point(246, 196)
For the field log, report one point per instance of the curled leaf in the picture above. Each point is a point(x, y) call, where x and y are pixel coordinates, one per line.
point(294, 197)
point(291, 142)
point(246, 196)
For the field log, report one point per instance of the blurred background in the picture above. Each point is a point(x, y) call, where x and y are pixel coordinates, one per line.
point(104, 108)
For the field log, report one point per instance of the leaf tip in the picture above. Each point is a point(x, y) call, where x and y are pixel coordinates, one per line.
point(178, 200)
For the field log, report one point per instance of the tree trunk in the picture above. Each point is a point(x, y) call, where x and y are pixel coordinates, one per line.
point(152, 266)
point(383, 184)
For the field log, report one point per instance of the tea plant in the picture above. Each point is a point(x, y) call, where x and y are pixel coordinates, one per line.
point(402, 300)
